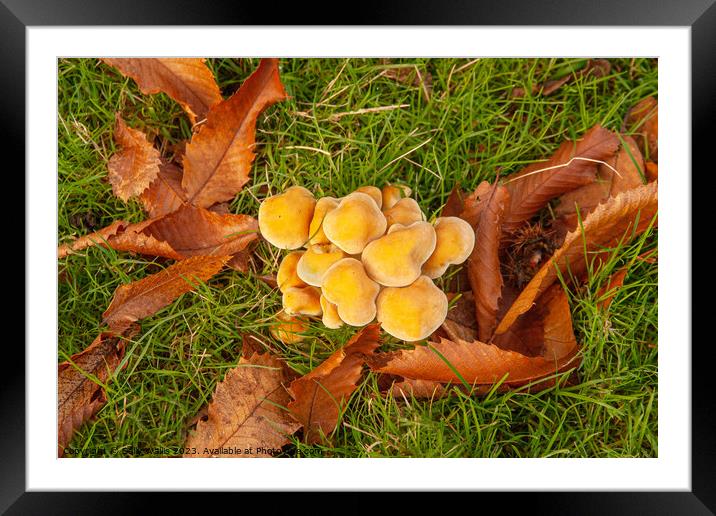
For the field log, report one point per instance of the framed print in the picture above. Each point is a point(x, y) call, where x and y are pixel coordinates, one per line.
point(420, 258)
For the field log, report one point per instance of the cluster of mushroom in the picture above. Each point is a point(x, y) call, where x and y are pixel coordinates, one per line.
point(368, 255)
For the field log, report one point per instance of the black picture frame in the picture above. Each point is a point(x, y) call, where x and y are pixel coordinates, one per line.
point(700, 15)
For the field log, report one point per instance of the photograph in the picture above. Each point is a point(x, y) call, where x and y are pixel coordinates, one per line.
point(357, 257)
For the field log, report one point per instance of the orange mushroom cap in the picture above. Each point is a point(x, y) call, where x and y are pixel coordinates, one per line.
point(284, 219)
point(354, 222)
point(455, 242)
point(414, 312)
point(396, 259)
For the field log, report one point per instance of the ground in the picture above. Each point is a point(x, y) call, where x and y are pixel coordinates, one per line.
point(456, 122)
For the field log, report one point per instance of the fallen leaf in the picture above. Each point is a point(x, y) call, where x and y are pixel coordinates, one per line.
point(463, 310)
point(473, 203)
point(618, 220)
point(122, 236)
point(98, 237)
point(145, 297)
point(647, 256)
point(269, 279)
point(652, 171)
point(546, 89)
point(478, 363)
point(177, 151)
point(407, 387)
point(455, 203)
point(451, 329)
point(165, 194)
point(251, 344)
point(643, 121)
point(222, 208)
point(188, 231)
point(607, 292)
point(240, 261)
point(570, 167)
point(135, 239)
point(247, 412)
point(192, 231)
point(598, 67)
point(218, 158)
point(413, 76)
point(526, 335)
point(483, 265)
point(186, 80)
point(320, 395)
point(136, 165)
point(629, 164)
point(80, 393)
point(593, 67)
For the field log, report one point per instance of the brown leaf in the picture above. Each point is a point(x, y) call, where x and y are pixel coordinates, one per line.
point(652, 171)
point(269, 279)
point(473, 203)
point(618, 220)
point(427, 389)
point(135, 239)
point(486, 364)
point(136, 165)
point(412, 76)
point(453, 330)
point(630, 165)
point(187, 80)
point(222, 208)
point(320, 395)
point(145, 297)
point(247, 412)
point(407, 387)
point(532, 188)
point(218, 158)
point(240, 261)
point(251, 344)
point(122, 236)
point(455, 203)
point(643, 120)
point(92, 239)
point(193, 231)
point(550, 87)
point(79, 391)
point(463, 310)
point(594, 67)
point(607, 292)
point(165, 194)
point(526, 335)
point(483, 265)
point(186, 232)
point(546, 89)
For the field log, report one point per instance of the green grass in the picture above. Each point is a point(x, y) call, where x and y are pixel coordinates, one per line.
point(468, 131)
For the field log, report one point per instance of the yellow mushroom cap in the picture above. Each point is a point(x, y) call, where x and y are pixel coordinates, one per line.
point(331, 319)
point(302, 300)
point(355, 222)
point(455, 241)
point(374, 192)
point(347, 285)
point(405, 212)
point(315, 262)
point(414, 312)
point(396, 259)
point(286, 277)
point(393, 193)
point(288, 329)
point(315, 230)
point(284, 219)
